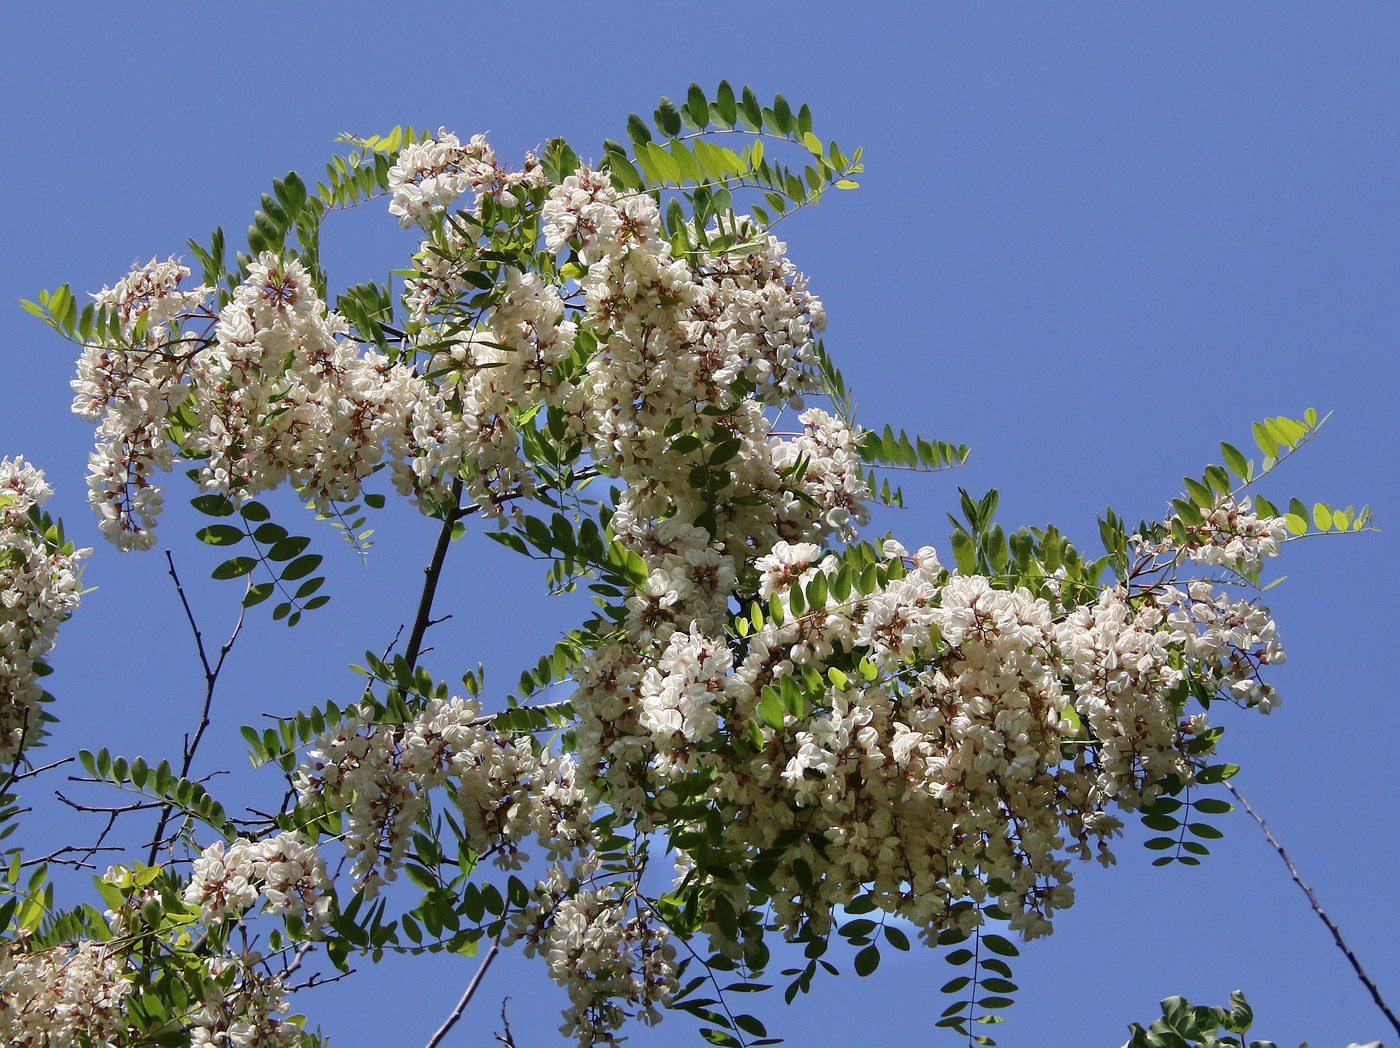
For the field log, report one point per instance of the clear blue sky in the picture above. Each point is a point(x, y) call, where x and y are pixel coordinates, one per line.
point(1092, 241)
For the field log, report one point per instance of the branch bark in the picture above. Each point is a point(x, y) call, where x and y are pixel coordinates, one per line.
point(1321, 913)
point(466, 997)
point(432, 575)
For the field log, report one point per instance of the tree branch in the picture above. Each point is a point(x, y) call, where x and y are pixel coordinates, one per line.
point(451, 1020)
point(432, 574)
point(211, 678)
point(1317, 909)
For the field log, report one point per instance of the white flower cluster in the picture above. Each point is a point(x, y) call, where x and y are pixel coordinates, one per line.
point(130, 390)
point(1231, 536)
point(676, 337)
point(39, 588)
point(277, 393)
point(285, 396)
point(613, 966)
point(286, 871)
point(244, 1007)
point(62, 996)
point(486, 377)
point(430, 175)
point(943, 773)
point(680, 693)
point(1231, 640)
point(380, 775)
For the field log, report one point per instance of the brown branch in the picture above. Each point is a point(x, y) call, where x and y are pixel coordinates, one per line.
point(1322, 914)
point(432, 574)
point(56, 858)
point(451, 1020)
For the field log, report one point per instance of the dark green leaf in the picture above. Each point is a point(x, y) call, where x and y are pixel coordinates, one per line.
point(234, 567)
point(220, 535)
point(302, 566)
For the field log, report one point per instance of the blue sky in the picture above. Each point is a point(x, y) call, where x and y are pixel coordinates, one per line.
point(1092, 241)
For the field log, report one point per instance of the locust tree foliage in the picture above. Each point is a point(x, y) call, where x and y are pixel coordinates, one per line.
point(772, 734)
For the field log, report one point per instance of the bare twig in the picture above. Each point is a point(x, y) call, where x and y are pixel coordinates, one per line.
point(321, 979)
point(56, 858)
point(14, 778)
point(211, 678)
point(466, 997)
point(108, 809)
point(504, 1036)
point(1317, 909)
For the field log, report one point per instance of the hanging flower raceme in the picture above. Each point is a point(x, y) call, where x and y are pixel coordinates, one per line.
point(61, 996)
point(39, 588)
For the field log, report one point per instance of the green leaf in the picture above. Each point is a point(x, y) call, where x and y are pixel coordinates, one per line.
point(719, 1037)
point(770, 708)
point(896, 938)
point(212, 505)
point(725, 103)
point(1200, 494)
point(1239, 465)
point(667, 118)
point(302, 566)
point(258, 593)
point(234, 567)
point(867, 960)
point(220, 535)
point(1213, 806)
point(637, 130)
point(999, 944)
point(287, 548)
point(697, 108)
point(1262, 437)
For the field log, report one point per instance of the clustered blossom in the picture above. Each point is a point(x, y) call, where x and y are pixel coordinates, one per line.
point(286, 871)
point(380, 775)
point(1231, 536)
point(942, 773)
point(62, 996)
point(464, 430)
point(245, 1007)
point(276, 392)
point(39, 588)
point(130, 390)
point(430, 175)
point(1230, 640)
point(612, 965)
point(285, 396)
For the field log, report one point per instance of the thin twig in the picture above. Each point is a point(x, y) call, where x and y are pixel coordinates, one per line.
point(466, 998)
point(211, 678)
point(13, 778)
point(504, 1036)
point(56, 857)
point(1317, 909)
point(107, 809)
point(13, 775)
